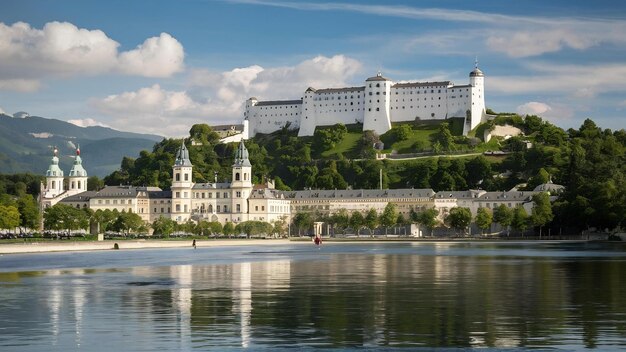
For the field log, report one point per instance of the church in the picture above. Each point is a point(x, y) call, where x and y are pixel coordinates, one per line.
point(240, 200)
point(235, 201)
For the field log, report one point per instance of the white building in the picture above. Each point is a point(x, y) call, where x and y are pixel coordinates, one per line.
point(376, 105)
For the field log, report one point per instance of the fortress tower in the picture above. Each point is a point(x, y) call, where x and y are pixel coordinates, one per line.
point(477, 111)
point(376, 111)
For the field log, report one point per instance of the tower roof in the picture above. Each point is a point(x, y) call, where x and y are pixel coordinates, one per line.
point(77, 169)
point(476, 72)
point(54, 169)
point(378, 77)
point(182, 156)
point(241, 159)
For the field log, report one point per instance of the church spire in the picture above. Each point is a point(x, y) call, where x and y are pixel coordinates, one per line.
point(241, 159)
point(77, 169)
point(182, 156)
point(54, 170)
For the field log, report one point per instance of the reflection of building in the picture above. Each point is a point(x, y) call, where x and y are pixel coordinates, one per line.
point(376, 105)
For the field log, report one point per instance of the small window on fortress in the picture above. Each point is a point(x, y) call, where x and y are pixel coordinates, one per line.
point(377, 109)
point(369, 109)
point(370, 93)
point(377, 84)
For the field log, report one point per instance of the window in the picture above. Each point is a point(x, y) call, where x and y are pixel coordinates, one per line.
point(177, 207)
point(186, 177)
point(177, 176)
point(238, 194)
point(184, 194)
point(377, 109)
point(225, 195)
point(238, 208)
point(218, 208)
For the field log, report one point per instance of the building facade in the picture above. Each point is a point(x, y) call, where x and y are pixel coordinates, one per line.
point(240, 200)
point(375, 105)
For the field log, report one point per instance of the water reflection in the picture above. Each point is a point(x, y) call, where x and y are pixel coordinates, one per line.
point(345, 296)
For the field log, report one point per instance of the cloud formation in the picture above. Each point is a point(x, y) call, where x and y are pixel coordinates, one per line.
point(86, 122)
point(533, 108)
point(61, 49)
point(219, 97)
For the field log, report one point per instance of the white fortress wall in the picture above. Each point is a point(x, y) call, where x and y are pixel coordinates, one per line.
point(459, 100)
point(338, 105)
point(426, 101)
point(270, 116)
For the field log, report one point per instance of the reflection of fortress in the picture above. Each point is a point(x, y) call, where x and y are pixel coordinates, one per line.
point(376, 105)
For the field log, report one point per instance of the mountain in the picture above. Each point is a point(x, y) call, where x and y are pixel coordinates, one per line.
point(26, 145)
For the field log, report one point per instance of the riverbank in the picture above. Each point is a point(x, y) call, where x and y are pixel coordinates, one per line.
point(69, 246)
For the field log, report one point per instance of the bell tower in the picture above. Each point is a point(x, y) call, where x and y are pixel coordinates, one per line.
point(241, 184)
point(78, 175)
point(182, 185)
point(54, 177)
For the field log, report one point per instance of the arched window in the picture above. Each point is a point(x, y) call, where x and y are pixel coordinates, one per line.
point(237, 176)
point(210, 208)
point(54, 184)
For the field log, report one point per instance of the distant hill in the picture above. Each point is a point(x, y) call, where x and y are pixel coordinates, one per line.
point(26, 145)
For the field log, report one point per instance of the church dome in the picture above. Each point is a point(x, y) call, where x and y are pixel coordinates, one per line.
point(477, 73)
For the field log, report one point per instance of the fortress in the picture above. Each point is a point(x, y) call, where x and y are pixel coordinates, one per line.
point(375, 105)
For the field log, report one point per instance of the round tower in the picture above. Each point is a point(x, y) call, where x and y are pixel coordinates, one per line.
point(78, 175)
point(377, 102)
point(477, 112)
point(54, 177)
point(182, 185)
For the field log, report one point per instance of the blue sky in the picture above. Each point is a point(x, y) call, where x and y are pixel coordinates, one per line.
point(161, 66)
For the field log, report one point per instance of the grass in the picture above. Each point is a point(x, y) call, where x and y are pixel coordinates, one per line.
point(346, 147)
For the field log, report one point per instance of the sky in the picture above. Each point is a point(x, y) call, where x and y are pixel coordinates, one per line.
point(161, 66)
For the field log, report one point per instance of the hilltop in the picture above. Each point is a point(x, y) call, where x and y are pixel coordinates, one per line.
point(26, 144)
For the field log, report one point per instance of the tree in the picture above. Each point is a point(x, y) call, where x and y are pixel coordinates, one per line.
point(94, 183)
point(29, 211)
point(229, 229)
point(302, 221)
point(340, 219)
point(427, 218)
point(520, 219)
point(459, 218)
point(357, 221)
point(163, 226)
point(444, 137)
point(279, 228)
point(128, 222)
point(542, 210)
point(64, 217)
point(389, 216)
point(104, 218)
point(9, 217)
point(484, 219)
point(371, 220)
point(503, 215)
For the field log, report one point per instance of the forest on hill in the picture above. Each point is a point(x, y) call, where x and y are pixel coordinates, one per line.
point(589, 161)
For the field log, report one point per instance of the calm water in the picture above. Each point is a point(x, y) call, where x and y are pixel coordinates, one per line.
point(499, 296)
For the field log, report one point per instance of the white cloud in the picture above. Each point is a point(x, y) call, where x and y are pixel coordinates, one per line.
point(20, 85)
point(219, 97)
point(533, 108)
point(157, 57)
point(86, 122)
point(507, 34)
point(550, 112)
point(60, 49)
